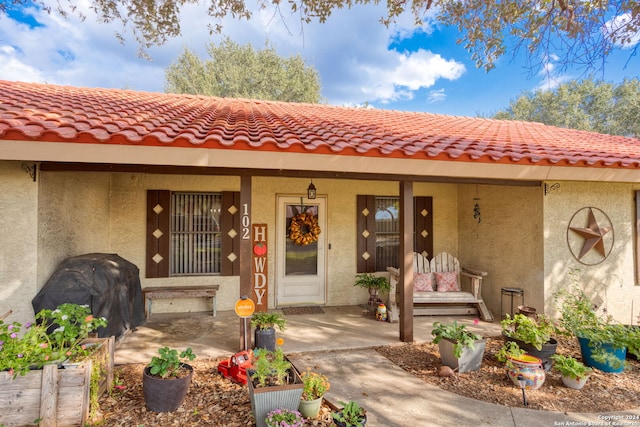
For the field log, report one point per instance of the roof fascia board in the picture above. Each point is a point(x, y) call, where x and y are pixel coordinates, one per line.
point(284, 173)
point(401, 168)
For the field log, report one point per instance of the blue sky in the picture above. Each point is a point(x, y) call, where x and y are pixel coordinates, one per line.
point(359, 60)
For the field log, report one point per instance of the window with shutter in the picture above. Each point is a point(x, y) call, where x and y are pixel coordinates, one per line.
point(378, 231)
point(191, 233)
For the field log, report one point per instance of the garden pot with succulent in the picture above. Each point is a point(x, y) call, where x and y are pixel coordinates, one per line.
point(459, 348)
point(574, 373)
point(603, 342)
point(273, 383)
point(533, 335)
point(166, 379)
point(351, 415)
point(265, 329)
point(315, 386)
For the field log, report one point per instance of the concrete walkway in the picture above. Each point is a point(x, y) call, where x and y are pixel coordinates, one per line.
point(340, 344)
point(394, 397)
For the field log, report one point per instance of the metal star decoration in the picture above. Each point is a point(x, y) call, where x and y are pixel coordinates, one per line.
point(593, 236)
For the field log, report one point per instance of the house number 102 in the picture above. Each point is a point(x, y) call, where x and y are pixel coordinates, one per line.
point(246, 232)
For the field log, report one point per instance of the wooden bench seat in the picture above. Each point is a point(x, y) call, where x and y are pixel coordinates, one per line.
point(165, 292)
point(466, 301)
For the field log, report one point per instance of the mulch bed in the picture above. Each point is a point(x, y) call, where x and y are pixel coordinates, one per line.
point(213, 400)
point(604, 392)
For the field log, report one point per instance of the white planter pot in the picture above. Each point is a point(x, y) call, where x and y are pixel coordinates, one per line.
point(470, 360)
point(573, 382)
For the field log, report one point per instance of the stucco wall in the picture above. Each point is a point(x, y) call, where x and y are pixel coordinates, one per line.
point(610, 282)
point(18, 235)
point(73, 218)
point(128, 228)
point(88, 212)
point(507, 242)
point(341, 233)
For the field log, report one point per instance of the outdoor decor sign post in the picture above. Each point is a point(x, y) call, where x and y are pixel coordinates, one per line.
point(244, 309)
point(259, 266)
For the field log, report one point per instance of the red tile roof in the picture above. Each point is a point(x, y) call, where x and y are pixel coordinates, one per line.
point(52, 113)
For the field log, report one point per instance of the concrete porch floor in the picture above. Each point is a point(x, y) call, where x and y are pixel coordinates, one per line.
point(339, 328)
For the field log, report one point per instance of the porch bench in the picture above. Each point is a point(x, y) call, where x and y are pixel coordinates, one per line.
point(466, 301)
point(165, 292)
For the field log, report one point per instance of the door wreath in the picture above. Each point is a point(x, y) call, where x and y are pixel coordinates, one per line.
point(304, 229)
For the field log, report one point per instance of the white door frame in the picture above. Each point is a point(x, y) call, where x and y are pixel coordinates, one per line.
point(299, 289)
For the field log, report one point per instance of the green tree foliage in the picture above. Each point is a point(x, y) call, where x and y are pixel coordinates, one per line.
point(582, 32)
point(241, 72)
point(582, 104)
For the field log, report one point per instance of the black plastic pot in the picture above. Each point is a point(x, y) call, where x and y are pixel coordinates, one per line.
point(265, 338)
point(165, 394)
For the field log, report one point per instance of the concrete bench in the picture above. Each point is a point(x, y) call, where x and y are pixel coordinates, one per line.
point(164, 292)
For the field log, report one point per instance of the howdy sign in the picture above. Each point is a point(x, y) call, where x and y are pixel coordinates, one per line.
point(259, 287)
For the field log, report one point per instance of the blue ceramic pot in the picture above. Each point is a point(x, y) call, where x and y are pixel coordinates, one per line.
point(587, 356)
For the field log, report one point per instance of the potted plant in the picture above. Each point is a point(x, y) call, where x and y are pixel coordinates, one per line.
point(509, 350)
point(533, 335)
point(166, 379)
point(283, 417)
point(273, 383)
point(603, 342)
point(351, 415)
point(459, 347)
point(374, 284)
point(524, 370)
point(265, 332)
point(574, 373)
point(31, 358)
point(315, 385)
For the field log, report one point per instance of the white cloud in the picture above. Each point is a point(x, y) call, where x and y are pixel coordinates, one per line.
point(435, 96)
point(622, 29)
point(350, 51)
point(407, 74)
point(551, 79)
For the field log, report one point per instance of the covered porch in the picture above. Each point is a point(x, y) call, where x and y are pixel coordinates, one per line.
point(338, 328)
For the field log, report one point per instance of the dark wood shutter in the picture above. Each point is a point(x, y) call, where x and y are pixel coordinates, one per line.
point(230, 229)
point(366, 239)
point(158, 233)
point(423, 226)
point(366, 230)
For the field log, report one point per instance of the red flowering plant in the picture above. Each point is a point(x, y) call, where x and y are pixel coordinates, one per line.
point(57, 335)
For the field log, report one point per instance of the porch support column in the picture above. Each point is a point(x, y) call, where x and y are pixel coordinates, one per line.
point(406, 261)
point(245, 257)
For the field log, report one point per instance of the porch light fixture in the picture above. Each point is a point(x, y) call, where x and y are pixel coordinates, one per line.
point(311, 191)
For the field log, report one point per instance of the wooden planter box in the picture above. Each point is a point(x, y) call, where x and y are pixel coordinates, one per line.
point(54, 396)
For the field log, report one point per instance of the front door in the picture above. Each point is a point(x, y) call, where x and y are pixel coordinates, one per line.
point(300, 272)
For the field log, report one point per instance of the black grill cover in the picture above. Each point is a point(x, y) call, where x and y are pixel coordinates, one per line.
point(107, 283)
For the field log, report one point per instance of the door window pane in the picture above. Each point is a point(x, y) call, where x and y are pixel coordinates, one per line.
point(300, 259)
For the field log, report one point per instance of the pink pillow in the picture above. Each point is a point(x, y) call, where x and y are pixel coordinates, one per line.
point(447, 282)
point(423, 282)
